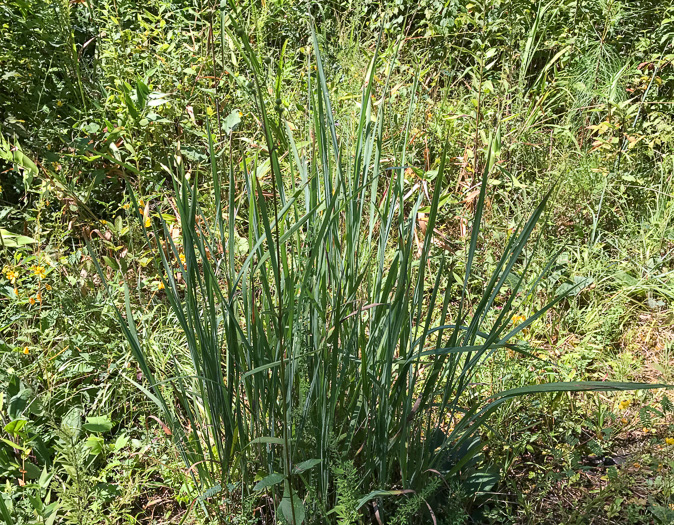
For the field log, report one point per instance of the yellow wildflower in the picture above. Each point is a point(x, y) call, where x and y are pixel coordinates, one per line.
point(11, 275)
point(59, 103)
point(141, 202)
point(624, 405)
point(39, 271)
point(517, 319)
point(160, 285)
point(624, 421)
point(126, 206)
point(47, 286)
point(148, 222)
point(26, 350)
point(39, 297)
point(31, 300)
point(669, 441)
point(182, 258)
point(636, 465)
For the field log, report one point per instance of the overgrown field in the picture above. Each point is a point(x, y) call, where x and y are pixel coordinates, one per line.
point(342, 262)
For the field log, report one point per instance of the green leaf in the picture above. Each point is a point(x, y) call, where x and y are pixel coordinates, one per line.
point(268, 481)
point(18, 403)
point(13, 240)
point(305, 465)
point(210, 492)
point(14, 445)
point(32, 471)
point(98, 424)
point(574, 288)
point(287, 507)
point(14, 427)
point(95, 444)
point(231, 121)
point(133, 111)
point(193, 154)
point(4, 511)
point(268, 440)
point(142, 92)
point(376, 493)
point(72, 422)
point(121, 442)
point(13, 153)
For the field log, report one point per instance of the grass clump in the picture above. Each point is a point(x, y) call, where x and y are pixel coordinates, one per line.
point(337, 335)
point(336, 260)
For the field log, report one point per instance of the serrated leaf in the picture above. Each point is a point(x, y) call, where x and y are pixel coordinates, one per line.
point(210, 492)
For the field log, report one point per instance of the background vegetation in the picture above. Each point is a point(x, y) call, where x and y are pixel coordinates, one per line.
point(259, 199)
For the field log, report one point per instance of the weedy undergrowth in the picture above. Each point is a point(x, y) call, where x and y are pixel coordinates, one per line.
point(334, 340)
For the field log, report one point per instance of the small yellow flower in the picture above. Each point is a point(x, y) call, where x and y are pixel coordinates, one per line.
point(669, 441)
point(160, 285)
point(182, 258)
point(517, 319)
point(625, 404)
point(11, 276)
point(636, 465)
point(59, 103)
point(47, 286)
point(645, 430)
point(16, 291)
point(141, 202)
point(104, 222)
point(39, 297)
point(624, 421)
point(26, 350)
point(31, 300)
point(148, 222)
point(39, 271)
point(126, 206)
